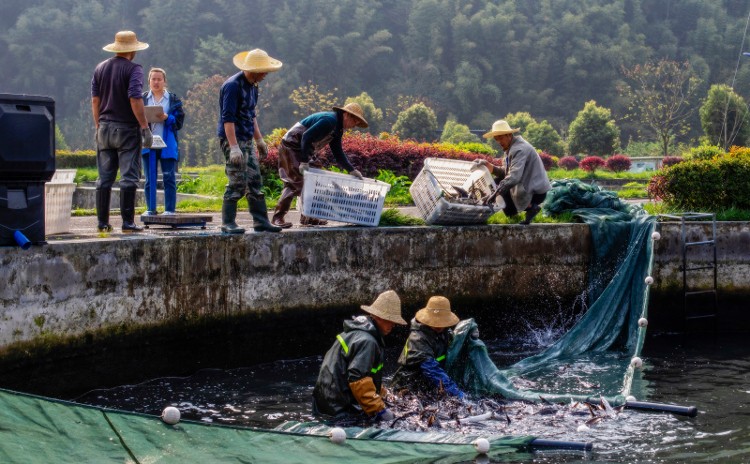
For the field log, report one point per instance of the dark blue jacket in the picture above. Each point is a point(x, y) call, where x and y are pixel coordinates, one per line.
point(175, 119)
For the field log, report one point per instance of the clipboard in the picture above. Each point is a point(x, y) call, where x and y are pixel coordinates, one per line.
point(153, 112)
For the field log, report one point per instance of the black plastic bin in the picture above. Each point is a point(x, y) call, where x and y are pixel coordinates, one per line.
point(22, 209)
point(27, 161)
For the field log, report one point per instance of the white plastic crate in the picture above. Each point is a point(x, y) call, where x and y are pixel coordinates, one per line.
point(438, 178)
point(343, 198)
point(58, 201)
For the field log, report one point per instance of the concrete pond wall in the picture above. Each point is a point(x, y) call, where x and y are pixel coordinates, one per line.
point(265, 296)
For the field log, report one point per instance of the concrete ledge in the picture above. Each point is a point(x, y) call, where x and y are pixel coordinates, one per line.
point(74, 287)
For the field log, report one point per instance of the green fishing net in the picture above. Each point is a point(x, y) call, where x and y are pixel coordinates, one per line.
point(593, 359)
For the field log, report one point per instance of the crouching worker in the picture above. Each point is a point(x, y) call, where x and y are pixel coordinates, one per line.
point(422, 361)
point(350, 380)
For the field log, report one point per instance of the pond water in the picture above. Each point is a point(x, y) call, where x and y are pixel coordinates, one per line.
point(710, 373)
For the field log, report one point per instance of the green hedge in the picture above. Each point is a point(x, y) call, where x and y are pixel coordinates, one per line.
point(65, 159)
point(704, 185)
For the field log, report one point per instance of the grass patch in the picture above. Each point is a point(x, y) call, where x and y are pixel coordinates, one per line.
point(393, 217)
point(633, 190)
point(560, 173)
point(501, 218)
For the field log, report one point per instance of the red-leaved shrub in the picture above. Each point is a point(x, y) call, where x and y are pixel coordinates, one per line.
point(592, 163)
point(668, 161)
point(547, 160)
point(369, 154)
point(618, 163)
point(568, 163)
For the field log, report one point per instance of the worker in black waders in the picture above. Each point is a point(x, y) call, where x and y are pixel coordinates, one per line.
point(349, 386)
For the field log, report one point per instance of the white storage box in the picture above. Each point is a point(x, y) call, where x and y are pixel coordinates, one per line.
point(58, 201)
point(438, 178)
point(343, 198)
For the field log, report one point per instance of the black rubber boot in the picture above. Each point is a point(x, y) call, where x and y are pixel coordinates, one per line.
point(228, 216)
point(127, 210)
point(102, 209)
point(260, 216)
point(531, 214)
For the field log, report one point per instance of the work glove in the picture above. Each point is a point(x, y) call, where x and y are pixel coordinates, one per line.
point(262, 148)
point(385, 415)
point(235, 155)
point(356, 174)
point(303, 167)
point(147, 138)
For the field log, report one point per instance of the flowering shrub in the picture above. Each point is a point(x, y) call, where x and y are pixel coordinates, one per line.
point(370, 155)
point(592, 163)
point(547, 161)
point(75, 159)
point(568, 163)
point(618, 163)
point(668, 161)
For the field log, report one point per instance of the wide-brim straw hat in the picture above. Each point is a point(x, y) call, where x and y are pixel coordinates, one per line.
point(125, 41)
point(256, 61)
point(437, 313)
point(355, 110)
point(386, 306)
point(500, 127)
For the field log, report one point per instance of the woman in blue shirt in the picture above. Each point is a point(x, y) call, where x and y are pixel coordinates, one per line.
point(171, 122)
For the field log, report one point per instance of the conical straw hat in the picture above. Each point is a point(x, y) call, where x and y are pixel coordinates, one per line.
point(355, 110)
point(256, 61)
point(437, 313)
point(386, 306)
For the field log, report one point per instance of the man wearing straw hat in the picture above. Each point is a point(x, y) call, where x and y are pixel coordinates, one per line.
point(298, 148)
point(350, 381)
point(422, 361)
point(524, 183)
point(237, 128)
point(121, 128)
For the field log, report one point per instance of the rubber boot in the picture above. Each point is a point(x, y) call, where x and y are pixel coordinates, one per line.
point(260, 216)
point(102, 209)
point(228, 216)
point(531, 213)
point(282, 207)
point(127, 210)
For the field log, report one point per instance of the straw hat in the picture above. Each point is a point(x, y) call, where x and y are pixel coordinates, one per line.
point(500, 127)
point(256, 61)
point(437, 313)
point(355, 110)
point(125, 41)
point(386, 306)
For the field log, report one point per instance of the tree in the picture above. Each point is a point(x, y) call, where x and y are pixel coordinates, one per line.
point(724, 117)
point(593, 131)
point(417, 122)
point(60, 143)
point(544, 137)
point(311, 100)
point(520, 120)
point(453, 132)
point(198, 141)
point(373, 114)
point(659, 95)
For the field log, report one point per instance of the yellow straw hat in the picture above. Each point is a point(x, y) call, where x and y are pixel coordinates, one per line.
point(437, 313)
point(500, 127)
point(355, 110)
point(256, 61)
point(386, 306)
point(125, 41)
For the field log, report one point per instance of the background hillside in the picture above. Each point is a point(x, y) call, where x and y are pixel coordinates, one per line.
point(474, 60)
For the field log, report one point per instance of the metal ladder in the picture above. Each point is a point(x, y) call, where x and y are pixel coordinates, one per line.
point(685, 219)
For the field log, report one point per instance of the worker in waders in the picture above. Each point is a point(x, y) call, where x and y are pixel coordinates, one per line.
point(349, 384)
point(422, 361)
